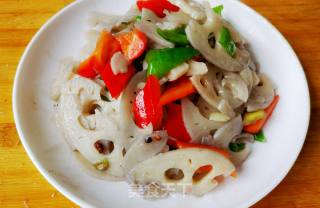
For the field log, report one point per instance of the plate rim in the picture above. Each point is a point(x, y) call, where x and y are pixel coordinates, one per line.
point(68, 194)
point(78, 200)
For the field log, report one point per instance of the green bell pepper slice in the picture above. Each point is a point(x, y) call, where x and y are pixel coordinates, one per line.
point(177, 36)
point(161, 61)
point(226, 41)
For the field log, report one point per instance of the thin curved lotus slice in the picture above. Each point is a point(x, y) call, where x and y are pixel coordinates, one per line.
point(192, 170)
point(88, 126)
point(205, 87)
point(191, 8)
point(198, 35)
point(261, 95)
point(196, 124)
point(227, 132)
point(145, 148)
point(237, 86)
point(250, 78)
point(239, 157)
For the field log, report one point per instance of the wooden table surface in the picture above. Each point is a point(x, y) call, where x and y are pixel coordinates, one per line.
point(21, 185)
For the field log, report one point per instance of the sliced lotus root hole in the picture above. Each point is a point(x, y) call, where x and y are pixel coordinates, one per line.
point(201, 172)
point(174, 174)
point(104, 95)
point(212, 40)
point(219, 179)
point(260, 84)
point(124, 152)
point(212, 132)
point(104, 146)
point(91, 107)
point(204, 82)
point(148, 140)
point(153, 138)
point(219, 75)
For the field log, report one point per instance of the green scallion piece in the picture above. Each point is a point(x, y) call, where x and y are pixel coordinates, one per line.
point(218, 9)
point(138, 18)
point(260, 137)
point(237, 147)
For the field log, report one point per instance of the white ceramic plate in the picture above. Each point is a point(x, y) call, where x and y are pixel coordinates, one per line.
point(64, 35)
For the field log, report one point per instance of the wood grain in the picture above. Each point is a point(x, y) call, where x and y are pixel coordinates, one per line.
point(21, 185)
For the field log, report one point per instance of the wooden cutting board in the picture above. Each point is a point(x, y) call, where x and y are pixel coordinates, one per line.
point(21, 185)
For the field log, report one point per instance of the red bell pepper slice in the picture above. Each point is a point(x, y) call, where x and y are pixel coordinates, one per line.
point(99, 62)
point(133, 44)
point(146, 108)
point(86, 68)
point(174, 123)
point(258, 125)
point(157, 6)
point(182, 145)
point(116, 83)
point(106, 46)
point(177, 90)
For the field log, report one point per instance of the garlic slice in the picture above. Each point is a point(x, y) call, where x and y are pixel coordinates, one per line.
point(119, 63)
point(178, 72)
